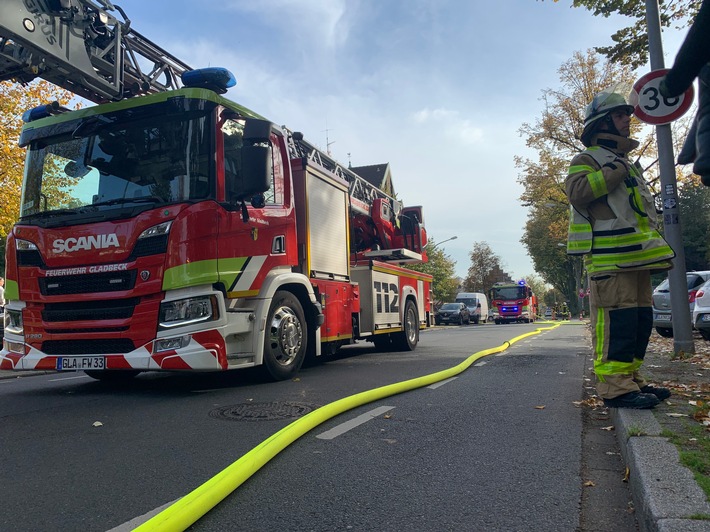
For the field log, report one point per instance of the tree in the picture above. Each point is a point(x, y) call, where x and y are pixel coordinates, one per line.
point(631, 42)
point(15, 99)
point(485, 269)
point(440, 266)
point(693, 202)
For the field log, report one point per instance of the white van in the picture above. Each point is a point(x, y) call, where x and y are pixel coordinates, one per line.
point(477, 303)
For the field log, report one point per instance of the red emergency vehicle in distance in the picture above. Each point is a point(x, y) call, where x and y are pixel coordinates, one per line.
point(513, 303)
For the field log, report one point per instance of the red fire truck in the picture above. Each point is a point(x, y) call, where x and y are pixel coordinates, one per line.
point(513, 302)
point(169, 228)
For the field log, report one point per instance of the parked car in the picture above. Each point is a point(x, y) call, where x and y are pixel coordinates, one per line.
point(477, 304)
point(548, 313)
point(662, 320)
point(701, 310)
point(453, 313)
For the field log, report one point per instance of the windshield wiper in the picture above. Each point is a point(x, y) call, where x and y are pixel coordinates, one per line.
point(119, 201)
point(56, 212)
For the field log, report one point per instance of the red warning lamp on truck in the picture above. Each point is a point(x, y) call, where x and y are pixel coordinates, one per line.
point(172, 229)
point(513, 303)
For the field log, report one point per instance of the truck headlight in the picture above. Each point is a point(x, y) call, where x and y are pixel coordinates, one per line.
point(187, 311)
point(13, 321)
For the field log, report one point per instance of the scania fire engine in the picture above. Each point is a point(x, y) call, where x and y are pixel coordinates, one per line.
point(513, 302)
point(169, 228)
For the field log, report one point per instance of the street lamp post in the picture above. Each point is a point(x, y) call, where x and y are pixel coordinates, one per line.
point(439, 243)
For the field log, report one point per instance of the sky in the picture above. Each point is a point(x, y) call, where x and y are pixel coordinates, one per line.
point(436, 88)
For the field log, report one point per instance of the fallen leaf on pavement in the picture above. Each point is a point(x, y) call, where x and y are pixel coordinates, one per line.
point(540, 407)
point(98, 424)
point(589, 484)
point(610, 427)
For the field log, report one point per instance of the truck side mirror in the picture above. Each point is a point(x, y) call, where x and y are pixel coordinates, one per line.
point(256, 172)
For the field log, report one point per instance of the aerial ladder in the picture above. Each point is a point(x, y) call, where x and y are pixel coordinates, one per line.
point(81, 46)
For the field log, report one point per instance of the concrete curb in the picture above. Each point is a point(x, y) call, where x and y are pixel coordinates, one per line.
point(665, 492)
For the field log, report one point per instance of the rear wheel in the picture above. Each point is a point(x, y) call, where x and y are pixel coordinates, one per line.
point(408, 339)
point(705, 334)
point(285, 337)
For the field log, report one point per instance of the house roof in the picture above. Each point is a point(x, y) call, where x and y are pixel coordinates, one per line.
point(376, 174)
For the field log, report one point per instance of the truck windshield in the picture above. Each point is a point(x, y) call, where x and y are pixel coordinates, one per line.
point(156, 159)
point(509, 292)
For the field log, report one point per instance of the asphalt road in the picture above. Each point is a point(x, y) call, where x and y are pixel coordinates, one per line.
point(499, 447)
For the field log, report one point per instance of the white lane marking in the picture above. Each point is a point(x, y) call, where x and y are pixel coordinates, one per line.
point(70, 378)
point(441, 383)
point(355, 422)
point(137, 521)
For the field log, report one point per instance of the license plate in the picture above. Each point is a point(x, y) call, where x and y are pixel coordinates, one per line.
point(79, 363)
point(705, 317)
point(663, 317)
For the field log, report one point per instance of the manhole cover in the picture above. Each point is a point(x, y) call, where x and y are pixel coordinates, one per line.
point(262, 411)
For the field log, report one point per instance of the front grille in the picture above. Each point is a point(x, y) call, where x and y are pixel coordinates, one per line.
point(119, 309)
point(30, 258)
point(87, 284)
point(149, 246)
point(88, 347)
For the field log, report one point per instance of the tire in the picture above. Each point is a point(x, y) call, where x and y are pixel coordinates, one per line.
point(408, 339)
point(116, 375)
point(705, 333)
point(665, 332)
point(383, 342)
point(285, 338)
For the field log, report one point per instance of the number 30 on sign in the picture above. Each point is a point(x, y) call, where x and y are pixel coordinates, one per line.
point(651, 106)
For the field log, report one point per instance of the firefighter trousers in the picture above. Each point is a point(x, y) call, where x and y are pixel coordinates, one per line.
point(622, 321)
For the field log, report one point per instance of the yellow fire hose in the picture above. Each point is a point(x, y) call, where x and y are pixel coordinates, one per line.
point(184, 512)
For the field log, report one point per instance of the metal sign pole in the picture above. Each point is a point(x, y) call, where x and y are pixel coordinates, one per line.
point(682, 329)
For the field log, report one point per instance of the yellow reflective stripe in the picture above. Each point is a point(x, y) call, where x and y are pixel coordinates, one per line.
point(12, 290)
point(616, 368)
point(190, 274)
point(625, 239)
point(576, 169)
point(648, 255)
point(596, 181)
point(599, 334)
point(580, 228)
point(577, 245)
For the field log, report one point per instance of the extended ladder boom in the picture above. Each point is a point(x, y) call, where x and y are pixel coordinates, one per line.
point(361, 190)
point(80, 46)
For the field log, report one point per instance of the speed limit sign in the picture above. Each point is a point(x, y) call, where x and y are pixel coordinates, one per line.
point(651, 106)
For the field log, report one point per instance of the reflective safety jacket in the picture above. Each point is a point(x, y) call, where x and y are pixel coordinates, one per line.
point(629, 239)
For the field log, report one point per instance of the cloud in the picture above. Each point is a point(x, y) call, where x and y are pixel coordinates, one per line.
point(454, 126)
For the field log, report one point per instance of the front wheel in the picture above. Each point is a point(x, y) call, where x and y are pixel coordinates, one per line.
point(285, 337)
point(408, 339)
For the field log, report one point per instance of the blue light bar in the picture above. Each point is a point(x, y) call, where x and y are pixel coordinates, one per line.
point(41, 111)
point(217, 79)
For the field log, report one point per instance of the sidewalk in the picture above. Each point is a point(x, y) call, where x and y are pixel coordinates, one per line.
point(666, 495)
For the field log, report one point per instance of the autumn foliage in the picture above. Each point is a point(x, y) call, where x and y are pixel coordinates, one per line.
point(15, 99)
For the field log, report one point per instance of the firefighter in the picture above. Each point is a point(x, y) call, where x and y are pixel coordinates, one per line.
point(613, 223)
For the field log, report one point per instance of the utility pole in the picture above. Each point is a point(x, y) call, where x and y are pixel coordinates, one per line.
point(682, 329)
